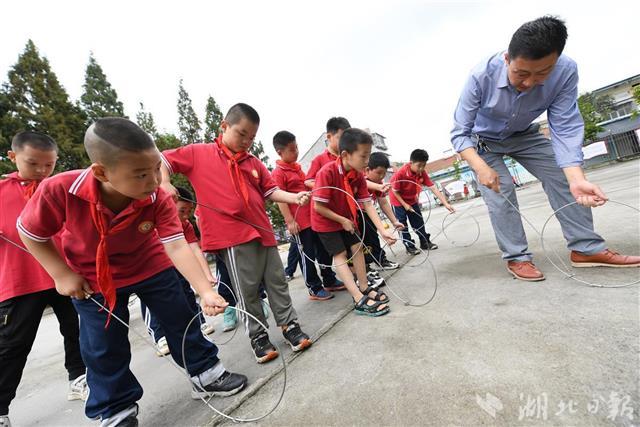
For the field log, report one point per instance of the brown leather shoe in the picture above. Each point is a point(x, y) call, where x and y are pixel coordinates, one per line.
point(605, 258)
point(524, 270)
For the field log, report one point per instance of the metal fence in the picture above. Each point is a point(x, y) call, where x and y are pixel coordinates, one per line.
point(621, 146)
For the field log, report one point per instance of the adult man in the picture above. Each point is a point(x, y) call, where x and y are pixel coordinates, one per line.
point(494, 116)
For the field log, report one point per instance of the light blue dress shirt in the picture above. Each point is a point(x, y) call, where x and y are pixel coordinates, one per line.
point(491, 108)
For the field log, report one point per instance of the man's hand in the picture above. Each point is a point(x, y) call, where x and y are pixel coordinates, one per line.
point(302, 198)
point(348, 225)
point(388, 237)
point(212, 304)
point(293, 227)
point(169, 188)
point(489, 178)
point(587, 194)
point(449, 207)
point(74, 286)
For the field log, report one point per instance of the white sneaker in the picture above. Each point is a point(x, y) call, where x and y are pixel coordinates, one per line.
point(78, 389)
point(163, 347)
point(207, 328)
point(5, 421)
point(374, 279)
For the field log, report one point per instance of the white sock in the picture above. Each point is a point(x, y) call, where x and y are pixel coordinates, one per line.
point(210, 375)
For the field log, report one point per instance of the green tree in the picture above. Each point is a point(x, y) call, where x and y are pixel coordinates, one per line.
point(146, 121)
point(99, 99)
point(457, 172)
point(188, 123)
point(32, 98)
point(635, 94)
point(594, 110)
point(212, 119)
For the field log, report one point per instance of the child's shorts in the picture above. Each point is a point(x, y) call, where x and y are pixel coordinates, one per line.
point(336, 242)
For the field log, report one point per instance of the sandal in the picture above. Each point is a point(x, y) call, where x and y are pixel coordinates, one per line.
point(370, 310)
point(379, 295)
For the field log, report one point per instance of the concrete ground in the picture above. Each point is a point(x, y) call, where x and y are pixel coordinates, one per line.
point(488, 350)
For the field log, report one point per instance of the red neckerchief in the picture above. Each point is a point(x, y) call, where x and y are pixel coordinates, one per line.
point(234, 168)
point(347, 178)
point(294, 167)
point(103, 269)
point(29, 186)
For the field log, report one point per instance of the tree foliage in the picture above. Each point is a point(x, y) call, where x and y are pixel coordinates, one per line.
point(99, 99)
point(188, 124)
point(594, 110)
point(212, 119)
point(32, 98)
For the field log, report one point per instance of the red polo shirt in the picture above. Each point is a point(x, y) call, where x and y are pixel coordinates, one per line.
point(20, 273)
point(207, 168)
point(332, 175)
point(317, 163)
point(288, 178)
point(189, 232)
point(408, 191)
point(62, 204)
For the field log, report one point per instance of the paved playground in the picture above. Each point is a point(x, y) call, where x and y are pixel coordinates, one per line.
point(488, 350)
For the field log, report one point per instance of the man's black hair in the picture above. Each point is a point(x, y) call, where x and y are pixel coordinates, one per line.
point(36, 140)
point(282, 139)
point(353, 137)
point(539, 38)
point(379, 160)
point(106, 138)
point(183, 193)
point(242, 111)
point(419, 155)
point(334, 124)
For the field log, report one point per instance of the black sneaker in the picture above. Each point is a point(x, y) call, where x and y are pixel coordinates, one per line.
point(263, 349)
point(389, 265)
point(412, 250)
point(297, 339)
point(227, 385)
point(429, 246)
point(126, 418)
point(375, 280)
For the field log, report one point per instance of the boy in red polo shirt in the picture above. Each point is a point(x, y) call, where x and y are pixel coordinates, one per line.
point(335, 217)
point(375, 257)
point(335, 127)
point(185, 210)
point(25, 288)
point(289, 177)
point(121, 235)
point(234, 185)
point(404, 197)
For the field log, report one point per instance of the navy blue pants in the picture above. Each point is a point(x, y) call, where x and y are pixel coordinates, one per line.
point(293, 259)
point(107, 352)
point(323, 257)
point(309, 272)
point(417, 223)
point(155, 329)
point(373, 252)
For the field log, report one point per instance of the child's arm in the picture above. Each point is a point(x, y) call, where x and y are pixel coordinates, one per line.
point(386, 208)
point(195, 247)
point(166, 181)
point(292, 225)
point(280, 196)
point(373, 215)
point(404, 204)
point(374, 186)
point(324, 210)
point(310, 183)
point(443, 199)
point(68, 283)
point(186, 263)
